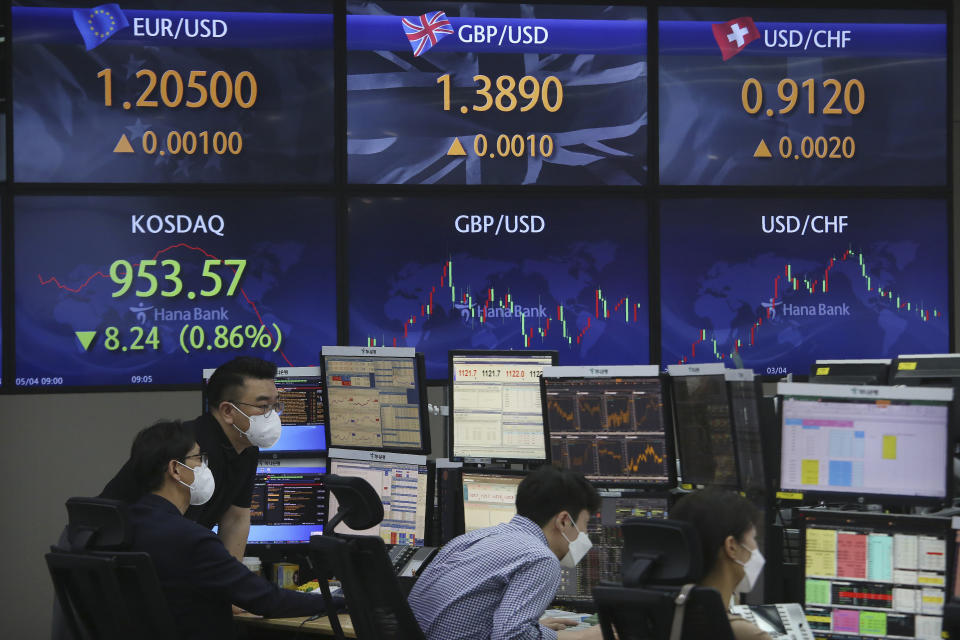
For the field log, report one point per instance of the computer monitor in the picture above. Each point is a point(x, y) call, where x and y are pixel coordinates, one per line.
point(701, 409)
point(876, 575)
point(927, 370)
point(495, 408)
point(870, 442)
point(405, 487)
point(301, 392)
point(489, 497)
point(608, 423)
point(744, 391)
point(872, 371)
point(376, 398)
point(289, 501)
point(604, 560)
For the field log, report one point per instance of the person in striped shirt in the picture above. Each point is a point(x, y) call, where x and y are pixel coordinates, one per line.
point(496, 583)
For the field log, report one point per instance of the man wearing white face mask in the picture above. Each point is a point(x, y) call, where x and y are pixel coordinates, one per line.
point(243, 416)
point(199, 578)
point(496, 583)
point(732, 562)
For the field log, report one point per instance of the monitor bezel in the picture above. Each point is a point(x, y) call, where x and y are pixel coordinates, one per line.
point(715, 370)
point(451, 423)
point(282, 454)
point(868, 393)
point(570, 373)
point(420, 460)
point(850, 371)
point(380, 352)
point(921, 370)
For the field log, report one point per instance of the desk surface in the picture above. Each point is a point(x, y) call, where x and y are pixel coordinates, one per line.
point(319, 627)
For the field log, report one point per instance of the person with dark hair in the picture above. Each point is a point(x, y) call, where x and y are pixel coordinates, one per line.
point(727, 525)
point(496, 583)
point(243, 414)
point(200, 579)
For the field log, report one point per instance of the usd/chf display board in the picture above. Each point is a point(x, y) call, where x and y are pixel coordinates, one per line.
point(124, 292)
point(501, 273)
point(780, 283)
point(173, 91)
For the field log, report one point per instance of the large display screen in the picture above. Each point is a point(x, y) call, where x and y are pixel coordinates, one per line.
point(780, 283)
point(501, 273)
point(495, 93)
point(173, 91)
point(151, 290)
point(802, 97)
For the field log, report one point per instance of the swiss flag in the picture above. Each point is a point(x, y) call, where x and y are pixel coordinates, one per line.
point(733, 36)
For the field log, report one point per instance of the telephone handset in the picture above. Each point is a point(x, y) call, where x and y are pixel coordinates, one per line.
point(408, 560)
point(782, 621)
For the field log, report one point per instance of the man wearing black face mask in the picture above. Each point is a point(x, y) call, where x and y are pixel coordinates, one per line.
point(496, 583)
point(243, 415)
point(199, 578)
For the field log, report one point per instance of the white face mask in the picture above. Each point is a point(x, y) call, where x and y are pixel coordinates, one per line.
point(201, 489)
point(579, 547)
point(263, 432)
point(751, 570)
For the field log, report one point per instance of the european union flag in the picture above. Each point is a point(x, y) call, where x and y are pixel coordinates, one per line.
point(99, 23)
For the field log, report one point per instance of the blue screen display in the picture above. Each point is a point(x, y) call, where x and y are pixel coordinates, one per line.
point(496, 93)
point(118, 290)
point(802, 97)
point(781, 283)
point(454, 273)
point(175, 91)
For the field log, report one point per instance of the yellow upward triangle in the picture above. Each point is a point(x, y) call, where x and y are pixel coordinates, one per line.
point(762, 150)
point(456, 149)
point(123, 145)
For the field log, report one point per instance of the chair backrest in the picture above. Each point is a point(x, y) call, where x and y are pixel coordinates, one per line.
point(110, 595)
point(375, 600)
point(646, 613)
point(104, 592)
point(659, 557)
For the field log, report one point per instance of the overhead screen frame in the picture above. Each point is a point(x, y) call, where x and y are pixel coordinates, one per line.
point(866, 394)
point(451, 423)
point(381, 352)
point(374, 457)
point(627, 373)
point(652, 192)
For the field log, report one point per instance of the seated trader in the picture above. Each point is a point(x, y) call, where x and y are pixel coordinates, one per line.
point(243, 414)
point(727, 525)
point(199, 577)
point(496, 583)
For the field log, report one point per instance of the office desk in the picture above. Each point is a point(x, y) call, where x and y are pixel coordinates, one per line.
point(319, 627)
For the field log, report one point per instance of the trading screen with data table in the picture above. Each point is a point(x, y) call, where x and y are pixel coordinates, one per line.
point(875, 575)
point(375, 398)
point(609, 429)
point(403, 488)
point(879, 441)
point(496, 411)
point(489, 499)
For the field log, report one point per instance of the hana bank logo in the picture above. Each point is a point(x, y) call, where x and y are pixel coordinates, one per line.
point(425, 31)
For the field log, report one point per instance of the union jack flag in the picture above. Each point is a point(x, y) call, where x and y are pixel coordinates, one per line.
point(427, 30)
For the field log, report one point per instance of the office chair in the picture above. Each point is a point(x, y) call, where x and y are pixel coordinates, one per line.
point(658, 599)
point(106, 593)
point(375, 600)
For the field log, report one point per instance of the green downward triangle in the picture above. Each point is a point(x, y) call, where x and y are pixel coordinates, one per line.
point(85, 338)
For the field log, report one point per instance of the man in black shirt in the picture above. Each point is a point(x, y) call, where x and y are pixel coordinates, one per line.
point(242, 415)
point(199, 578)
